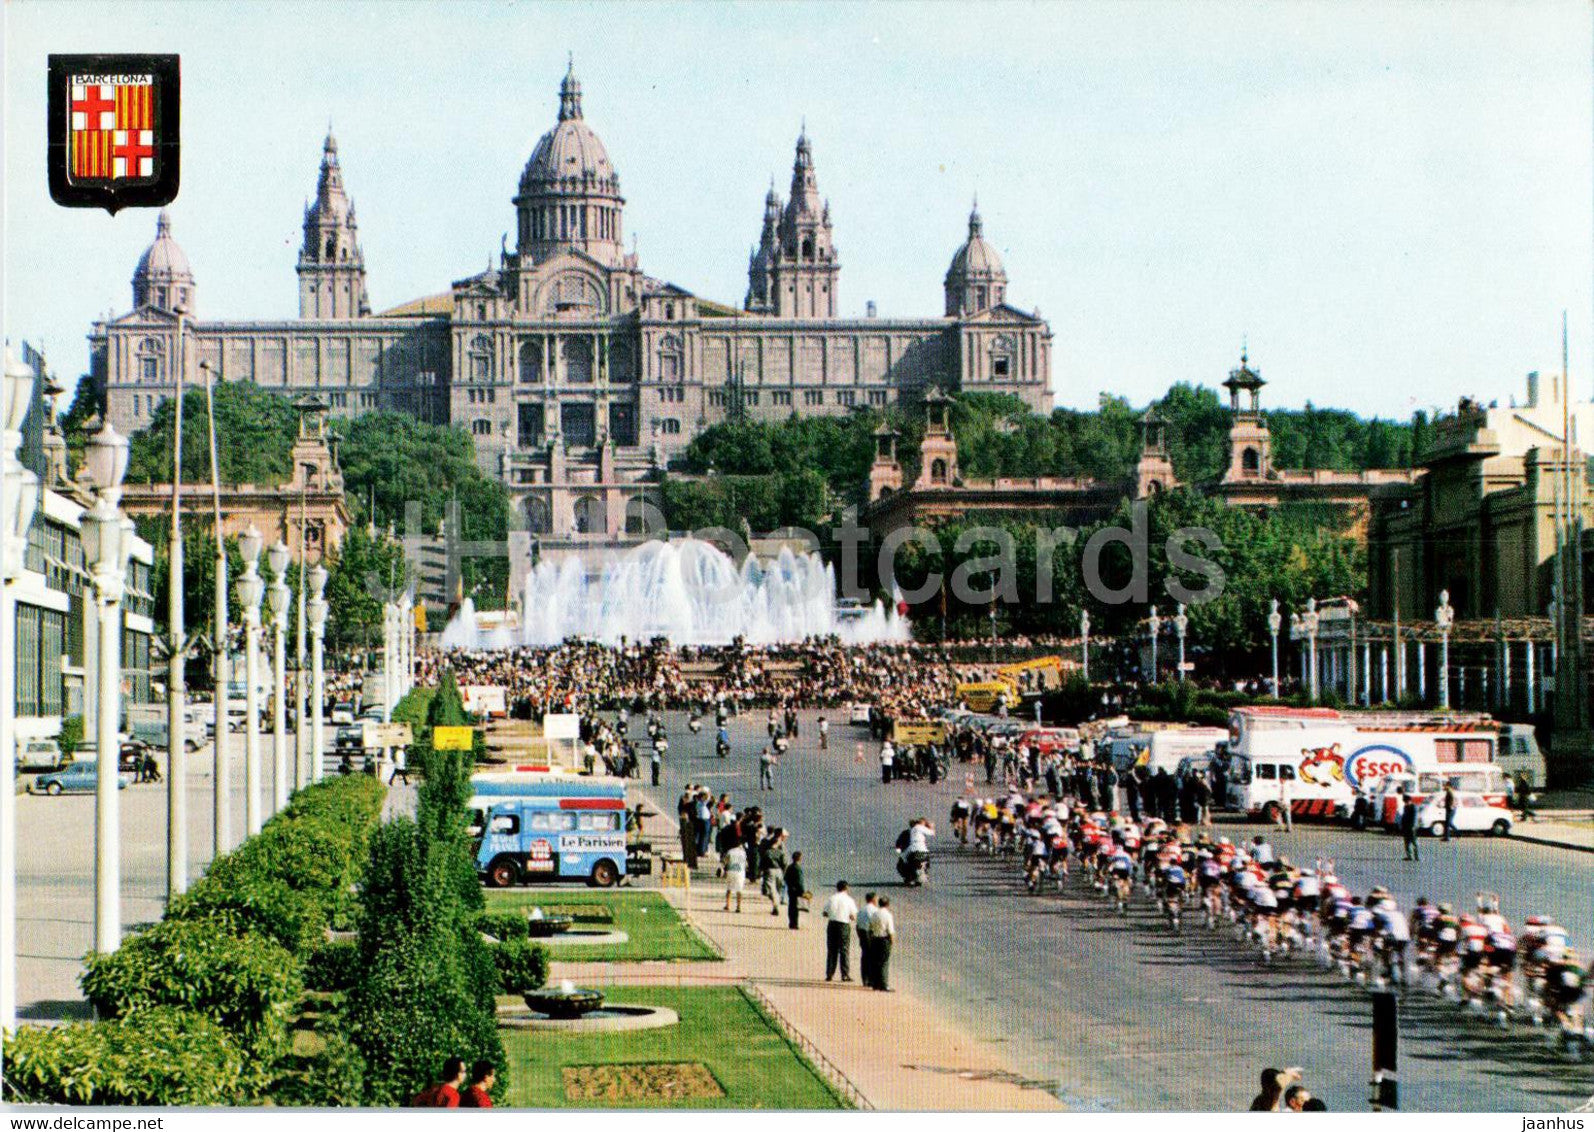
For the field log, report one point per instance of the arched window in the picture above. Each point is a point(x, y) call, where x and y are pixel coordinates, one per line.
point(670, 359)
point(481, 358)
point(578, 360)
point(147, 361)
point(938, 470)
point(481, 426)
point(539, 519)
point(332, 248)
point(531, 361)
point(670, 426)
point(592, 516)
point(808, 247)
point(1251, 461)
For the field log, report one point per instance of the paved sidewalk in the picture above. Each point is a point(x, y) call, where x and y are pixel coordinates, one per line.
point(1575, 834)
point(898, 1051)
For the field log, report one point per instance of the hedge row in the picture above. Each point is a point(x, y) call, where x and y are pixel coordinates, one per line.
point(218, 981)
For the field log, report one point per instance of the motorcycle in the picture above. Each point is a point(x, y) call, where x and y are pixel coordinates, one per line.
point(722, 748)
point(913, 867)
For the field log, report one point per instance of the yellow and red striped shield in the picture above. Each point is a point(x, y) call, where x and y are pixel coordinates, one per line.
point(113, 129)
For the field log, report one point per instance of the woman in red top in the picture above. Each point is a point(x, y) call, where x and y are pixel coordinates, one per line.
point(477, 1095)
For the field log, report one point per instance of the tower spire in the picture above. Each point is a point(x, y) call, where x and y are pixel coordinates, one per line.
point(570, 93)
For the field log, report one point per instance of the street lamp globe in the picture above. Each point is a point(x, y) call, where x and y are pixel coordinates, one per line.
point(1274, 619)
point(18, 392)
point(1084, 621)
point(105, 460)
point(277, 558)
point(1444, 616)
point(277, 599)
point(318, 581)
point(249, 544)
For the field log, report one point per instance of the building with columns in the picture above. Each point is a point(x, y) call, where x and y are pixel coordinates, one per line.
point(578, 374)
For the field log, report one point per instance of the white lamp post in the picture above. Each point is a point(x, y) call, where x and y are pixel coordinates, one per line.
point(1309, 624)
point(176, 686)
point(1084, 642)
point(105, 550)
point(1155, 624)
point(277, 599)
point(406, 621)
point(1444, 617)
point(1274, 620)
point(20, 490)
point(221, 780)
point(318, 687)
point(389, 668)
point(1181, 625)
point(250, 589)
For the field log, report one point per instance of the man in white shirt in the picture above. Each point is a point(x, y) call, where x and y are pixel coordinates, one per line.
point(888, 756)
point(865, 941)
point(883, 933)
point(840, 913)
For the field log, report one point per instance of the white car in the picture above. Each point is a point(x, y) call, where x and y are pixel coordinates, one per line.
point(1473, 815)
point(859, 714)
point(343, 714)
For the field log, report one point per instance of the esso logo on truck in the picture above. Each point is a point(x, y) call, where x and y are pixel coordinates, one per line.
point(1370, 764)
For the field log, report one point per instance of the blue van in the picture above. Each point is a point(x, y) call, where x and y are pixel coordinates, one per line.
point(536, 827)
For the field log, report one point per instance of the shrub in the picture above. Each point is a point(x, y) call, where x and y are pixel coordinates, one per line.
point(247, 984)
point(71, 737)
point(248, 901)
point(502, 926)
point(331, 1077)
point(155, 1057)
point(333, 967)
point(522, 965)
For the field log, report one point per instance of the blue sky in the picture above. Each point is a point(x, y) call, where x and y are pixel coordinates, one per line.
point(1392, 200)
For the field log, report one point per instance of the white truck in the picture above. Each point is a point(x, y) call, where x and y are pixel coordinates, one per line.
point(1160, 746)
point(1318, 760)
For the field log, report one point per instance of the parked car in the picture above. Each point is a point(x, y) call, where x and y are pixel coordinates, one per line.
point(859, 714)
point(349, 740)
point(40, 754)
point(153, 733)
point(1473, 815)
point(77, 778)
point(342, 714)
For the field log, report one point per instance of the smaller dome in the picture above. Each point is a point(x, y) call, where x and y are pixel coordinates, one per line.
point(164, 258)
point(976, 259)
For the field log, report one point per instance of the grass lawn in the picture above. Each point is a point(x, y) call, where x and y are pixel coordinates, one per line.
point(720, 1029)
point(655, 928)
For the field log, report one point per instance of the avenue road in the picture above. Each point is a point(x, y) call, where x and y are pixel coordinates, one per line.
point(1116, 1014)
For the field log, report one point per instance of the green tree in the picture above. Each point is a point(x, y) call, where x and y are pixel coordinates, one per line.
point(255, 430)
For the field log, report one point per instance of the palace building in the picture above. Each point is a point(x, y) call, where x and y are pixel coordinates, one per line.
point(578, 373)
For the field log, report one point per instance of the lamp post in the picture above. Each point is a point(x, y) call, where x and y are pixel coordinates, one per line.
point(301, 772)
point(277, 598)
point(406, 626)
point(1084, 642)
point(250, 589)
point(20, 489)
point(221, 780)
point(318, 688)
point(177, 649)
point(1155, 625)
point(1309, 624)
point(1181, 625)
point(104, 532)
point(1274, 620)
point(1444, 617)
point(388, 666)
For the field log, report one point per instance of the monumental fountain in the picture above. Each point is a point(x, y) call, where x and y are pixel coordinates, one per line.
point(688, 591)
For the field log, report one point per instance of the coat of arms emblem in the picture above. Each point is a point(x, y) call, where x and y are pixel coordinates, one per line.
point(113, 130)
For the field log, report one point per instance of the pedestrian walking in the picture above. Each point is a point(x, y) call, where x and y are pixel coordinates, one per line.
point(840, 913)
point(871, 905)
point(445, 1092)
point(794, 889)
point(888, 757)
point(766, 770)
point(1286, 815)
point(1408, 827)
point(883, 931)
point(824, 733)
point(774, 868)
point(1450, 809)
point(1523, 790)
point(735, 874)
point(657, 762)
point(401, 767)
point(478, 1094)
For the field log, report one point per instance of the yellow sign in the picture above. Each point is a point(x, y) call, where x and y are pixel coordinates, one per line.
point(453, 738)
point(675, 875)
point(918, 733)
